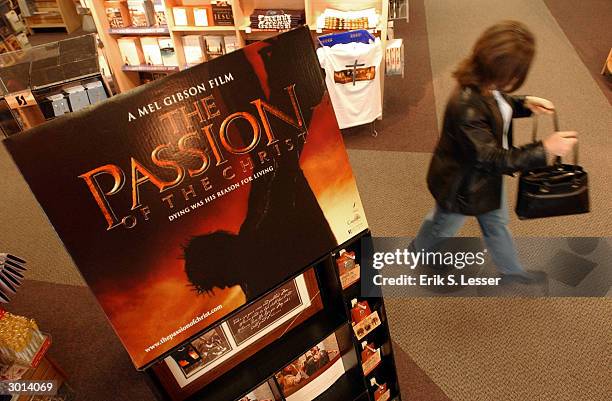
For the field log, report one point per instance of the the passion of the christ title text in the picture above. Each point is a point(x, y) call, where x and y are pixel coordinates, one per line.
point(198, 156)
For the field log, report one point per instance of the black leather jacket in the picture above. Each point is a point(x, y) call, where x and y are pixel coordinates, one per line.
point(465, 173)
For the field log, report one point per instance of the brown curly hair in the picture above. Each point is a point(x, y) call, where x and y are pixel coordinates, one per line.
point(501, 57)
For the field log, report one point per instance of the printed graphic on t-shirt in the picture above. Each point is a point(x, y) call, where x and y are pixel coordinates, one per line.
point(355, 74)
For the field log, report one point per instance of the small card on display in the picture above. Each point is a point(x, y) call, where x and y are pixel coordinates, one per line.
point(367, 325)
point(372, 360)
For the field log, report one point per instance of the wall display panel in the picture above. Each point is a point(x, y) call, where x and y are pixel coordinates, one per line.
point(203, 191)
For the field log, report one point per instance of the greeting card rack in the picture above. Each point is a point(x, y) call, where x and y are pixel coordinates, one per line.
point(332, 316)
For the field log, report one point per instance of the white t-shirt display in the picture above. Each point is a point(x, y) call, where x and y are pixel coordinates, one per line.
point(352, 75)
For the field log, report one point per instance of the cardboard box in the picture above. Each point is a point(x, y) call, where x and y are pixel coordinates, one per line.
point(59, 104)
point(95, 92)
point(78, 97)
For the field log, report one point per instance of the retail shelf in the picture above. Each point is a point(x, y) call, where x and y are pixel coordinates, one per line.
point(345, 387)
point(47, 10)
point(328, 31)
point(248, 29)
point(47, 25)
point(216, 28)
point(273, 358)
point(163, 30)
point(365, 396)
point(150, 68)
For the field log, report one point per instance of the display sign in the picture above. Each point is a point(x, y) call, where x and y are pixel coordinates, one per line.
point(20, 99)
point(264, 312)
point(186, 198)
point(247, 328)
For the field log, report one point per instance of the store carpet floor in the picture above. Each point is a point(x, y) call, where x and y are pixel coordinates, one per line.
point(409, 113)
point(503, 349)
point(98, 368)
point(588, 26)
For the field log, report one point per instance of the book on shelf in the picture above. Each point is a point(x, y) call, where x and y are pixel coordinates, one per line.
point(231, 43)
point(168, 54)
point(183, 16)
point(276, 18)
point(222, 13)
point(131, 51)
point(160, 13)
point(192, 47)
point(214, 46)
point(117, 13)
point(142, 13)
point(151, 50)
point(223, 347)
point(202, 15)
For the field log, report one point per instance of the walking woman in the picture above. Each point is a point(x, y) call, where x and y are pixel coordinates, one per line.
point(475, 148)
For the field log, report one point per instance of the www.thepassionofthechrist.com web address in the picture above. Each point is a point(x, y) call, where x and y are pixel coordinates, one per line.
point(181, 329)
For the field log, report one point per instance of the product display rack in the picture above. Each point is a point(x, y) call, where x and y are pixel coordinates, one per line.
point(28, 77)
point(399, 9)
point(128, 78)
point(62, 15)
point(385, 372)
point(335, 317)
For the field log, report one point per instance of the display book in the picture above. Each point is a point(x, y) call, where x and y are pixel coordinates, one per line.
point(321, 355)
point(217, 166)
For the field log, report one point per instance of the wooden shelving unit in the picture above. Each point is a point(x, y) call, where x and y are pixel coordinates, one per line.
point(54, 14)
point(127, 78)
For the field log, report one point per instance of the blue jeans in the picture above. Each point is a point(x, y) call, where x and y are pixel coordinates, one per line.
point(440, 224)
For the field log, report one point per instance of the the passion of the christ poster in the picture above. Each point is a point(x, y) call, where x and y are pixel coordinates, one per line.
point(187, 197)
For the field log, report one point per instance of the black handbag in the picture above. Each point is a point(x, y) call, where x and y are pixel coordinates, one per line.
point(557, 190)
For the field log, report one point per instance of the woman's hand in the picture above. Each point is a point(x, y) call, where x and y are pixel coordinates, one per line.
point(538, 105)
point(560, 143)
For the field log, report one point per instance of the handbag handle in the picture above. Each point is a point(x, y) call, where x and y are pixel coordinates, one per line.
point(534, 135)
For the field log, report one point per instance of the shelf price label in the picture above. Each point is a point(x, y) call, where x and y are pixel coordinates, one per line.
point(21, 99)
